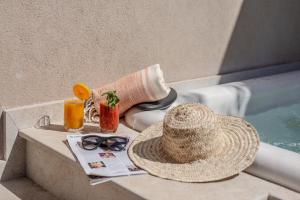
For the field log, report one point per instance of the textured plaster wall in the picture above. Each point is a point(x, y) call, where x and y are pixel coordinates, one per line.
point(46, 46)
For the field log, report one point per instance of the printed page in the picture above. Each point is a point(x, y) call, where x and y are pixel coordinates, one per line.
point(103, 162)
point(131, 168)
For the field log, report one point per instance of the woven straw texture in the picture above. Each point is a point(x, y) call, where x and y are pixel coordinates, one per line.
point(195, 145)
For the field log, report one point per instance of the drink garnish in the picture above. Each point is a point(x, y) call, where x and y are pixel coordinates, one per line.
point(82, 91)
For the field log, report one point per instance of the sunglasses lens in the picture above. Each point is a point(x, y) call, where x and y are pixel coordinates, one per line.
point(88, 146)
point(119, 147)
point(91, 139)
point(116, 143)
point(90, 142)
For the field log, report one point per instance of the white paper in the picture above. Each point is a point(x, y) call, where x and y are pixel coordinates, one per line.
point(99, 164)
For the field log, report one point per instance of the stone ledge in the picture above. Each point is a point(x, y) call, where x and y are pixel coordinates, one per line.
point(23, 188)
point(43, 145)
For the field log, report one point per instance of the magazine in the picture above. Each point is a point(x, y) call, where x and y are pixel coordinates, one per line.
point(102, 164)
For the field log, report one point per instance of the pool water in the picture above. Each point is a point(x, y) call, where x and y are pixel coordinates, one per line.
point(279, 126)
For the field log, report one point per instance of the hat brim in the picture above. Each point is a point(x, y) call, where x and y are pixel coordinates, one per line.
point(240, 144)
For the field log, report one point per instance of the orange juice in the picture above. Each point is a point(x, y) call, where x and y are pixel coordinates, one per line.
point(73, 115)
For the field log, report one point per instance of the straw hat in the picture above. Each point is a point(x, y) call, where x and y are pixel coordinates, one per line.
point(193, 144)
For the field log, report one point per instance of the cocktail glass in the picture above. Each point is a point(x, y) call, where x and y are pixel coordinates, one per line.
point(109, 117)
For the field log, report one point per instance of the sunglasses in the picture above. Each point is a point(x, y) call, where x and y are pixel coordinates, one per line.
point(115, 143)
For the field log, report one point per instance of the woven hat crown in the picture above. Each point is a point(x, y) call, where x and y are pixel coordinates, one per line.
point(191, 132)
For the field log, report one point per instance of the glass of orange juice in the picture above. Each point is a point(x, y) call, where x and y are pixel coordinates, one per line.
point(74, 108)
point(73, 115)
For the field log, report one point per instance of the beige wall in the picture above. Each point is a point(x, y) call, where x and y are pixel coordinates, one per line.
point(46, 46)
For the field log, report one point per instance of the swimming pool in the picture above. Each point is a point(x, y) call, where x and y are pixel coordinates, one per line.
point(270, 103)
point(279, 126)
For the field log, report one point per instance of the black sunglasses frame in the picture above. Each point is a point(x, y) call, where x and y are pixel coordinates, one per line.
point(101, 142)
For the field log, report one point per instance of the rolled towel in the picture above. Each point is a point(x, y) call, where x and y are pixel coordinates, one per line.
point(142, 86)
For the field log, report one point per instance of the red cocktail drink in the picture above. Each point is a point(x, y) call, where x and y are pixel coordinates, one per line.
point(109, 117)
